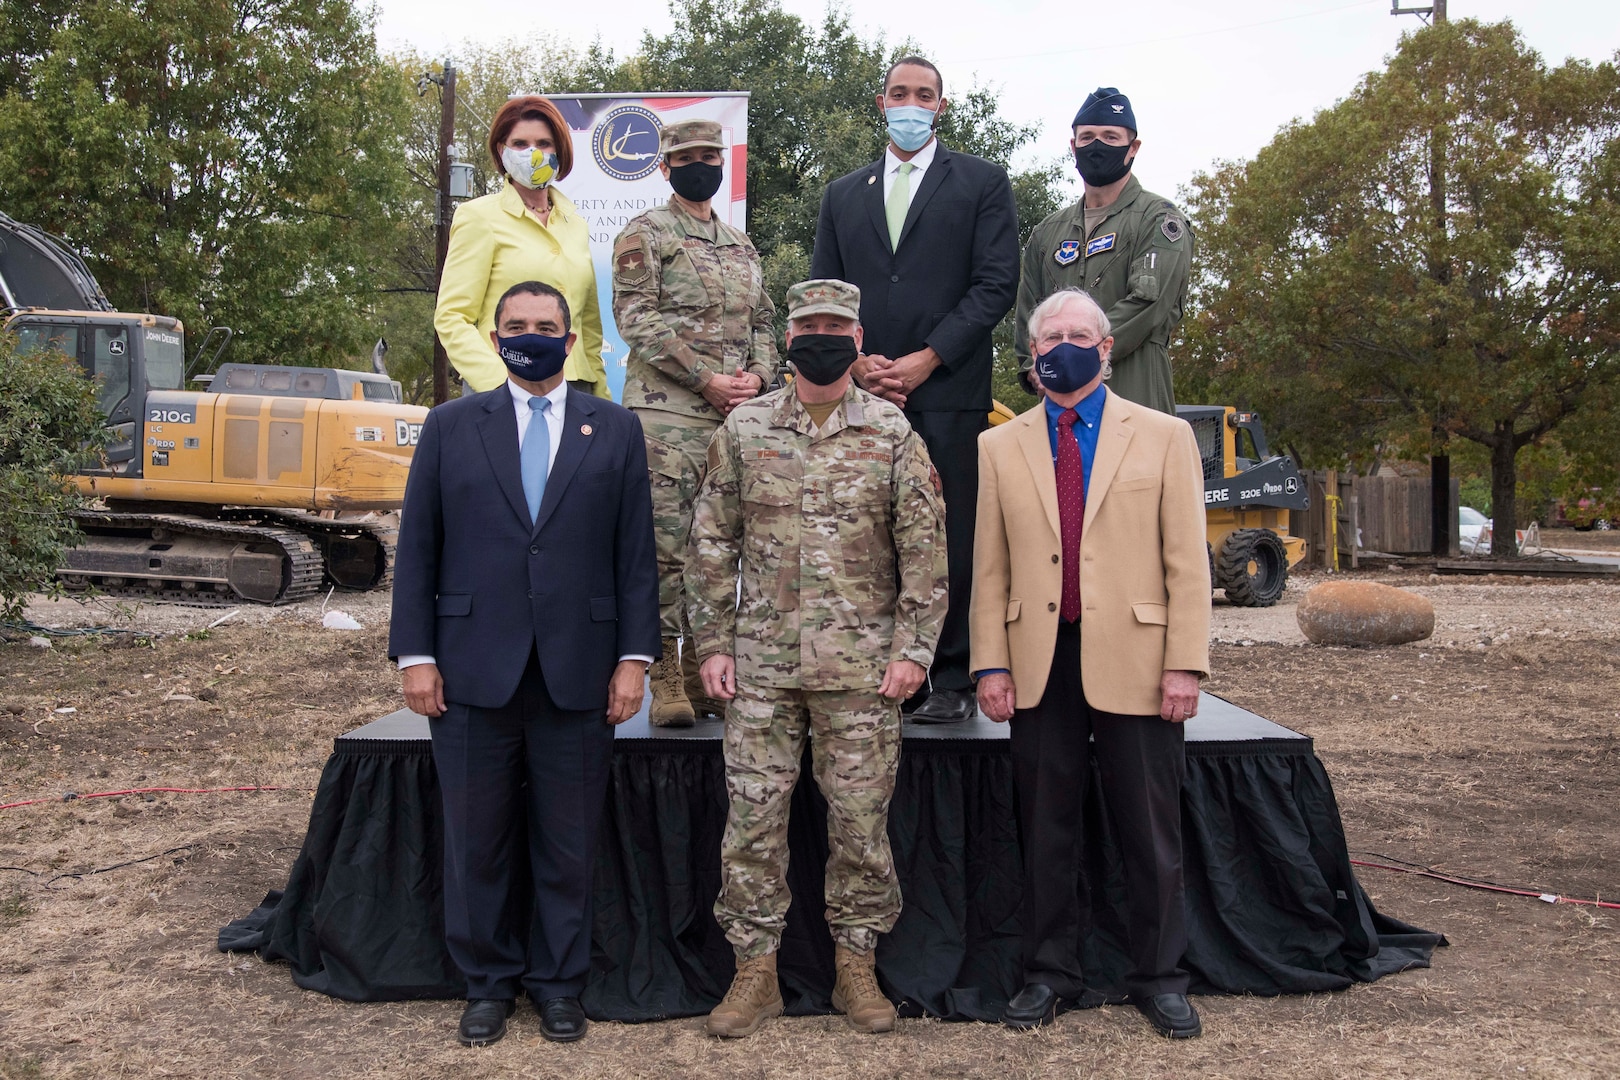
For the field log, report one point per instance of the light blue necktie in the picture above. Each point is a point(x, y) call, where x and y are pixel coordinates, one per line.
point(535, 457)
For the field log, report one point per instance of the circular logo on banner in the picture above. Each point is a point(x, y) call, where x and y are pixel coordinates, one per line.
point(626, 143)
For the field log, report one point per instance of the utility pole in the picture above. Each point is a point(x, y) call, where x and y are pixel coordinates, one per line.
point(1440, 523)
point(445, 210)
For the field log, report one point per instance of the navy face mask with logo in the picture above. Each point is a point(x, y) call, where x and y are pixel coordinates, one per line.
point(535, 357)
point(1067, 367)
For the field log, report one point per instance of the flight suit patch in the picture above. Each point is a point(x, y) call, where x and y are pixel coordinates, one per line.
point(1101, 244)
point(1067, 252)
point(1173, 229)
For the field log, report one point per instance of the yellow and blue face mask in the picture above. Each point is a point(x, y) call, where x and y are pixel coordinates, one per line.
point(529, 167)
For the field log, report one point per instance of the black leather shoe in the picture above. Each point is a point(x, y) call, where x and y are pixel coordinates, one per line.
point(946, 707)
point(484, 1021)
point(562, 1019)
point(1171, 1015)
point(1032, 1007)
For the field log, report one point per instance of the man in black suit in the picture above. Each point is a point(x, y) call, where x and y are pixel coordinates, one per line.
point(930, 236)
point(525, 615)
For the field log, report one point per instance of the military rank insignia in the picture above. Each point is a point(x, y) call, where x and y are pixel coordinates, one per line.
point(1067, 252)
point(1101, 244)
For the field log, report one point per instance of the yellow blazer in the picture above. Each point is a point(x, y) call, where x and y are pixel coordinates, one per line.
point(1144, 570)
point(496, 243)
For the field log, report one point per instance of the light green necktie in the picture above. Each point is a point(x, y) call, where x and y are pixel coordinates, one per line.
point(899, 202)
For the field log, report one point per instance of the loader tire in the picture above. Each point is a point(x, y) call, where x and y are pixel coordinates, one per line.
point(1252, 568)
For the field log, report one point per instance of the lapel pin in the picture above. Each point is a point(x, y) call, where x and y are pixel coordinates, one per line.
point(584, 429)
point(871, 179)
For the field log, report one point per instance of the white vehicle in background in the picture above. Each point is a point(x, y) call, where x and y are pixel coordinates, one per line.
point(1473, 531)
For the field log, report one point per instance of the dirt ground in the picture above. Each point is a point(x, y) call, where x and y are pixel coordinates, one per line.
point(1491, 750)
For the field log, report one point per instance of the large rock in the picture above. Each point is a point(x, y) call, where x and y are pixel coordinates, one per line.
point(1364, 613)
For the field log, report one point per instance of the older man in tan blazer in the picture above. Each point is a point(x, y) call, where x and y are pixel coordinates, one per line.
point(1091, 525)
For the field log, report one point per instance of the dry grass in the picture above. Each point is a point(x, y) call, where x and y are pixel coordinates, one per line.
point(1498, 762)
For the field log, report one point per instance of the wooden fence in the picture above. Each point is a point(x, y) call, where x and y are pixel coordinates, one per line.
point(1387, 514)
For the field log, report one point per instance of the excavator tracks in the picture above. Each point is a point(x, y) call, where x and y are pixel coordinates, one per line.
point(191, 560)
point(358, 555)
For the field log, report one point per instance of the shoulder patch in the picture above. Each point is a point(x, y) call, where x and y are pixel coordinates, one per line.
point(1172, 228)
point(630, 265)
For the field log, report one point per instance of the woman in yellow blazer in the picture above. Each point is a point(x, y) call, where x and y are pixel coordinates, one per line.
point(527, 231)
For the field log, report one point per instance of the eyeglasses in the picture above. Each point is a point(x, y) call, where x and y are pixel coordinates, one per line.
point(1083, 338)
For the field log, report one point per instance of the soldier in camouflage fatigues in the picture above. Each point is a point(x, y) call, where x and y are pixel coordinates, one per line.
point(689, 301)
point(833, 511)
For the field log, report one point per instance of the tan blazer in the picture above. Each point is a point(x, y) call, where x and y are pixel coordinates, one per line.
point(1144, 568)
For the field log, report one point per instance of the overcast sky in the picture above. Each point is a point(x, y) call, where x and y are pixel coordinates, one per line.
point(1208, 80)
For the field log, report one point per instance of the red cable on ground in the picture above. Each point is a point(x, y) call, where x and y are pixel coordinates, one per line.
point(1550, 898)
point(73, 796)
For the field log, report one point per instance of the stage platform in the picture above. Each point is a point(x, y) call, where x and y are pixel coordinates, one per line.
point(1273, 905)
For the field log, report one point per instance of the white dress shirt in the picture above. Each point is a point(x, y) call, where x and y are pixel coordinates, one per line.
point(555, 416)
point(919, 165)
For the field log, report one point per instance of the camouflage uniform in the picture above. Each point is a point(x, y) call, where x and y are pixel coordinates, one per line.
point(839, 532)
point(689, 300)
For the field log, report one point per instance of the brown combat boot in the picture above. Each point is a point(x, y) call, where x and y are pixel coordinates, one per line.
point(669, 705)
point(856, 992)
point(702, 703)
point(754, 998)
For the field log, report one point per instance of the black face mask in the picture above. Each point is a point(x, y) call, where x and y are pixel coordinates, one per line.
point(1101, 164)
point(822, 358)
point(696, 181)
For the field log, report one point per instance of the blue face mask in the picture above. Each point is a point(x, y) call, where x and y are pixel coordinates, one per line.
point(1067, 367)
point(910, 126)
point(535, 357)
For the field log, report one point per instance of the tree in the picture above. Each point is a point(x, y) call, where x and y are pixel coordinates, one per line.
point(234, 161)
point(1339, 293)
point(50, 426)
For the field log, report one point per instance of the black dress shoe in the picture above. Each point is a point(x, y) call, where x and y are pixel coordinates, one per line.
point(484, 1021)
point(1171, 1015)
point(562, 1019)
point(946, 707)
point(1032, 1007)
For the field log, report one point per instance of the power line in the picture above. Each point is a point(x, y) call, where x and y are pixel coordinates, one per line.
point(1170, 37)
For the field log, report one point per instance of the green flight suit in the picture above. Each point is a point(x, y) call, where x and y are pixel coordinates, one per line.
point(1135, 264)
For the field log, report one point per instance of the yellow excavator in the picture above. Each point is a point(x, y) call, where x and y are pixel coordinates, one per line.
point(224, 494)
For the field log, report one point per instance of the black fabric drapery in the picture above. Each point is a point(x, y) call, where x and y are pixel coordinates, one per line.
point(1273, 904)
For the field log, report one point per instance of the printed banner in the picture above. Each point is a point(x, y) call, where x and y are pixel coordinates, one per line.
point(615, 177)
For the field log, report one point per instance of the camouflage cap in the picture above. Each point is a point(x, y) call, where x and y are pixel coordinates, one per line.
point(824, 296)
point(688, 134)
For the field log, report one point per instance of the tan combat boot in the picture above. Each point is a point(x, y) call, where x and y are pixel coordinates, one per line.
point(754, 998)
point(669, 705)
point(856, 992)
point(702, 703)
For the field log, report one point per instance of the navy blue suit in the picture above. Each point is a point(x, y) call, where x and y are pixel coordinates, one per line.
point(526, 623)
point(946, 285)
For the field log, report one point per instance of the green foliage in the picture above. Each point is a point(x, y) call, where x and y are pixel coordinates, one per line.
point(1365, 300)
point(223, 161)
point(49, 427)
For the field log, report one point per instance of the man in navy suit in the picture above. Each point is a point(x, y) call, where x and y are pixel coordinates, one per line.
point(525, 615)
point(930, 237)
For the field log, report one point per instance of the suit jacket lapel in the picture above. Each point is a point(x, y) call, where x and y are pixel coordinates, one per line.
point(932, 179)
point(1037, 447)
point(575, 442)
point(1113, 437)
point(874, 199)
point(498, 428)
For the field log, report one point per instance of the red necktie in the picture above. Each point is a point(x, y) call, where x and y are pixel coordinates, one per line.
point(1071, 490)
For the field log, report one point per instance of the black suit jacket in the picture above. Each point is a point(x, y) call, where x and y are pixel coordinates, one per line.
point(952, 277)
point(476, 586)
